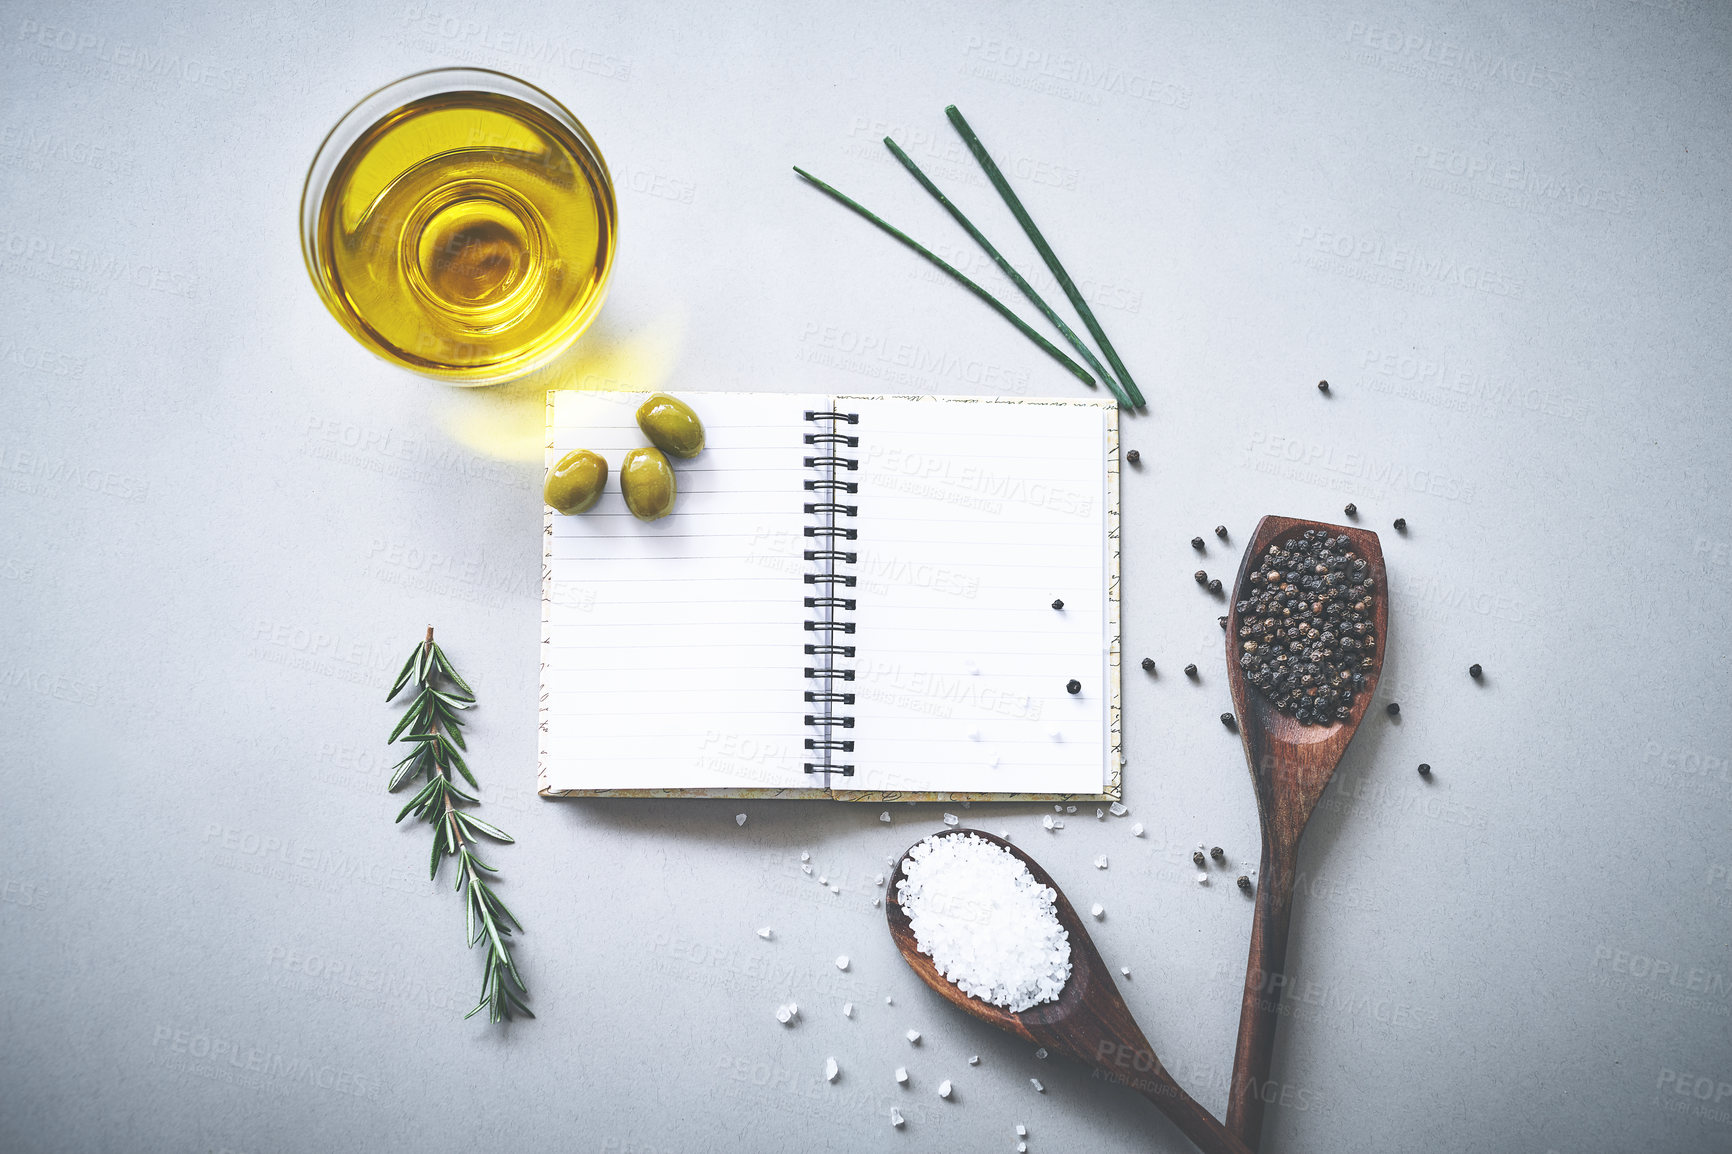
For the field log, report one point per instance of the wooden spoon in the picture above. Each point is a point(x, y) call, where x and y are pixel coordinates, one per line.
point(1290, 764)
point(1089, 1021)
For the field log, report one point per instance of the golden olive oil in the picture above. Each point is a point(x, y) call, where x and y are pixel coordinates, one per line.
point(468, 235)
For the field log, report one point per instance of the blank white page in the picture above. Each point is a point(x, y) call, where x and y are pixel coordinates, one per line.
point(672, 650)
point(974, 516)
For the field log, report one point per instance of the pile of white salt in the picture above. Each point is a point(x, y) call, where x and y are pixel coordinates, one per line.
point(986, 923)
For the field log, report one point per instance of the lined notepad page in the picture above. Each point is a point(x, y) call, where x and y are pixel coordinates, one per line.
point(974, 515)
point(673, 649)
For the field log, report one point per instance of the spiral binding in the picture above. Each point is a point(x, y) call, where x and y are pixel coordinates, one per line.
point(825, 673)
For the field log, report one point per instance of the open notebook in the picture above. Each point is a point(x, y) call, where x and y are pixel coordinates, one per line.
point(851, 599)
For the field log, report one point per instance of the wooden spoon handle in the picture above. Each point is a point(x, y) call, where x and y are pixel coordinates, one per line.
point(1186, 1113)
point(1260, 1006)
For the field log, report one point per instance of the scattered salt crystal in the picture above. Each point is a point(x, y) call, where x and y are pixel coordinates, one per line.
point(971, 667)
point(888, 1000)
point(1098, 910)
point(830, 1070)
point(974, 1060)
point(1021, 1130)
point(1058, 825)
point(793, 1009)
point(877, 879)
point(804, 856)
point(784, 1015)
point(1022, 1148)
point(1100, 815)
point(822, 880)
point(1006, 947)
point(992, 761)
point(885, 816)
point(895, 1116)
point(1055, 734)
point(1118, 809)
point(944, 1088)
point(805, 869)
point(913, 1037)
point(1070, 809)
point(902, 1074)
point(739, 819)
point(973, 733)
point(1125, 970)
point(764, 933)
point(1058, 809)
point(1040, 1053)
point(1005, 834)
point(951, 819)
point(876, 902)
point(1202, 878)
point(1038, 1088)
point(841, 961)
point(1137, 830)
point(847, 1009)
point(1101, 862)
point(1047, 821)
point(835, 889)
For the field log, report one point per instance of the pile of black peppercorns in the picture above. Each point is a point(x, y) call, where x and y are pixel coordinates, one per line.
point(1307, 630)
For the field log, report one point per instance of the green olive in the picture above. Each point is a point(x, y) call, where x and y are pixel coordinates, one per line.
point(671, 425)
point(647, 480)
point(575, 483)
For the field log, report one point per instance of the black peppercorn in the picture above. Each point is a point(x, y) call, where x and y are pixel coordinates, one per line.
point(1191, 672)
point(1198, 858)
point(1197, 544)
point(1393, 708)
point(1244, 883)
point(1201, 577)
point(1475, 672)
point(1057, 604)
point(1148, 665)
point(1221, 621)
point(1424, 770)
point(1133, 456)
point(1228, 720)
point(1073, 686)
point(1351, 509)
point(1401, 524)
point(1214, 584)
point(1221, 532)
point(1218, 854)
point(1323, 386)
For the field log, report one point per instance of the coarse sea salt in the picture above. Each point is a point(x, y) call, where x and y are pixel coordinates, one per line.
point(985, 922)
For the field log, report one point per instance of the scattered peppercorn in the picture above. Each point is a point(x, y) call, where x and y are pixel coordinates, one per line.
point(1306, 632)
point(1057, 604)
point(1197, 544)
point(1218, 854)
point(1133, 456)
point(1228, 720)
point(1198, 858)
point(1401, 524)
point(1221, 621)
point(1424, 770)
point(1475, 672)
point(1393, 708)
point(1221, 532)
point(1191, 672)
point(1351, 509)
point(1244, 883)
point(1214, 584)
point(1323, 386)
point(1201, 577)
point(1073, 686)
point(1148, 665)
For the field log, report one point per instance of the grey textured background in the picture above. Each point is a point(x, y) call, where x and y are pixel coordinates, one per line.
point(1499, 229)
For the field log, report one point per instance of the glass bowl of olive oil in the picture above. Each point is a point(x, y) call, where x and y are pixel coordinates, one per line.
point(461, 223)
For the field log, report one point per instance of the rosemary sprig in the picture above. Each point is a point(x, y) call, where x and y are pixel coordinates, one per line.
point(1045, 250)
point(433, 726)
point(1052, 350)
point(1010, 271)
